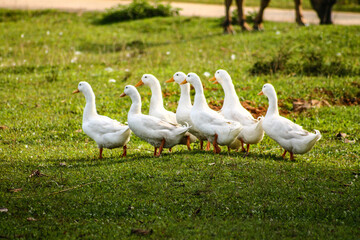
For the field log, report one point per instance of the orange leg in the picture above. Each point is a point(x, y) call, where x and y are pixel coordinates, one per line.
point(242, 145)
point(155, 151)
point(283, 155)
point(207, 146)
point(217, 149)
point(124, 151)
point(247, 148)
point(188, 143)
point(100, 156)
point(292, 156)
point(201, 144)
point(161, 147)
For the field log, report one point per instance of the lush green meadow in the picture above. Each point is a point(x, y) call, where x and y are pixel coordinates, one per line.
point(183, 194)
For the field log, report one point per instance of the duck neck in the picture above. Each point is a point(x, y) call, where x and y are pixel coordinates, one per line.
point(199, 100)
point(136, 104)
point(90, 107)
point(185, 95)
point(273, 105)
point(231, 98)
point(156, 100)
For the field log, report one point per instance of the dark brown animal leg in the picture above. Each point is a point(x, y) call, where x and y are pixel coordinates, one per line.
point(155, 151)
point(259, 18)
point(241, 17)
point(242, 146)
point(124, 151)
point(283, 155)
point(201, 144)
point(228, 29)
point(298, 13)
point(292, 156)
point(100, 155)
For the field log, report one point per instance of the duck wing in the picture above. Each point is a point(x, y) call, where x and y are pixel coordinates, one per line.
point(104, 125)
point(288, 129)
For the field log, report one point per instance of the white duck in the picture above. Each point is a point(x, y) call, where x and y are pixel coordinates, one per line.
point(156, 102)
point(106, 132)
point(184, 106)
point(292, 137)
point(216, 128)
point(252, 132)
point(157, 105)
point(157, 132)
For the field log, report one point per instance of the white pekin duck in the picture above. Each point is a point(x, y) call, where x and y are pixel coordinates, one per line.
point(216, 128)
point(184, 106)
point(292, 137)
point(106, 132)
point(252, 132)
point(157, 132)
point(157, 109)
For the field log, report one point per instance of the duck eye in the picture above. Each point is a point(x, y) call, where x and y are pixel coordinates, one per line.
point(189, 75)
point(177, 74)
point(145, 76)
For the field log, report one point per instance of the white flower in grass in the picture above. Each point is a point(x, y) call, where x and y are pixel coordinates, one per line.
point(74, 59)
point(277, 32)
point(109, 69)
point(112, 80)
point(127, 70)
point(60, 33)
point(338, 54)
point(77, 52)
point(207, 74)
point(22, 35)
point(47, 32)
point(168, 53)
point(46, 51)
point(233, 57)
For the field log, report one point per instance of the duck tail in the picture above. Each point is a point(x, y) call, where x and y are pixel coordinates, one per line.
point(318, 135)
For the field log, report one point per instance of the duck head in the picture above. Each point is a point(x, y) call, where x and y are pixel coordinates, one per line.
point(178, 77)
point(220, 77)
point(128, 90)
point(146, 79)
point(82, 87)
point(267, 90)
point(191, 78)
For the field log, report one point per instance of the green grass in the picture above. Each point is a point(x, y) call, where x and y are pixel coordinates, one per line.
point(181, 195)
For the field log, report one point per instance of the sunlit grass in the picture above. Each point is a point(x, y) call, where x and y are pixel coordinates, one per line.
point(181, 194)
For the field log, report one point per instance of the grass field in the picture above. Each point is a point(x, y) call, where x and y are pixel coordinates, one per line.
point(180, 195)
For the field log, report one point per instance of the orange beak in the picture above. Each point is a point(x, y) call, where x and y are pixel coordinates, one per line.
point(260, 93)
point(76, 91)
point(139, 83)
point(170, 80)
point(123, 95)
point(213, 80)
point(183, 82)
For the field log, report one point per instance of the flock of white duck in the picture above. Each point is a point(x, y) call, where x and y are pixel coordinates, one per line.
point(233, 126)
